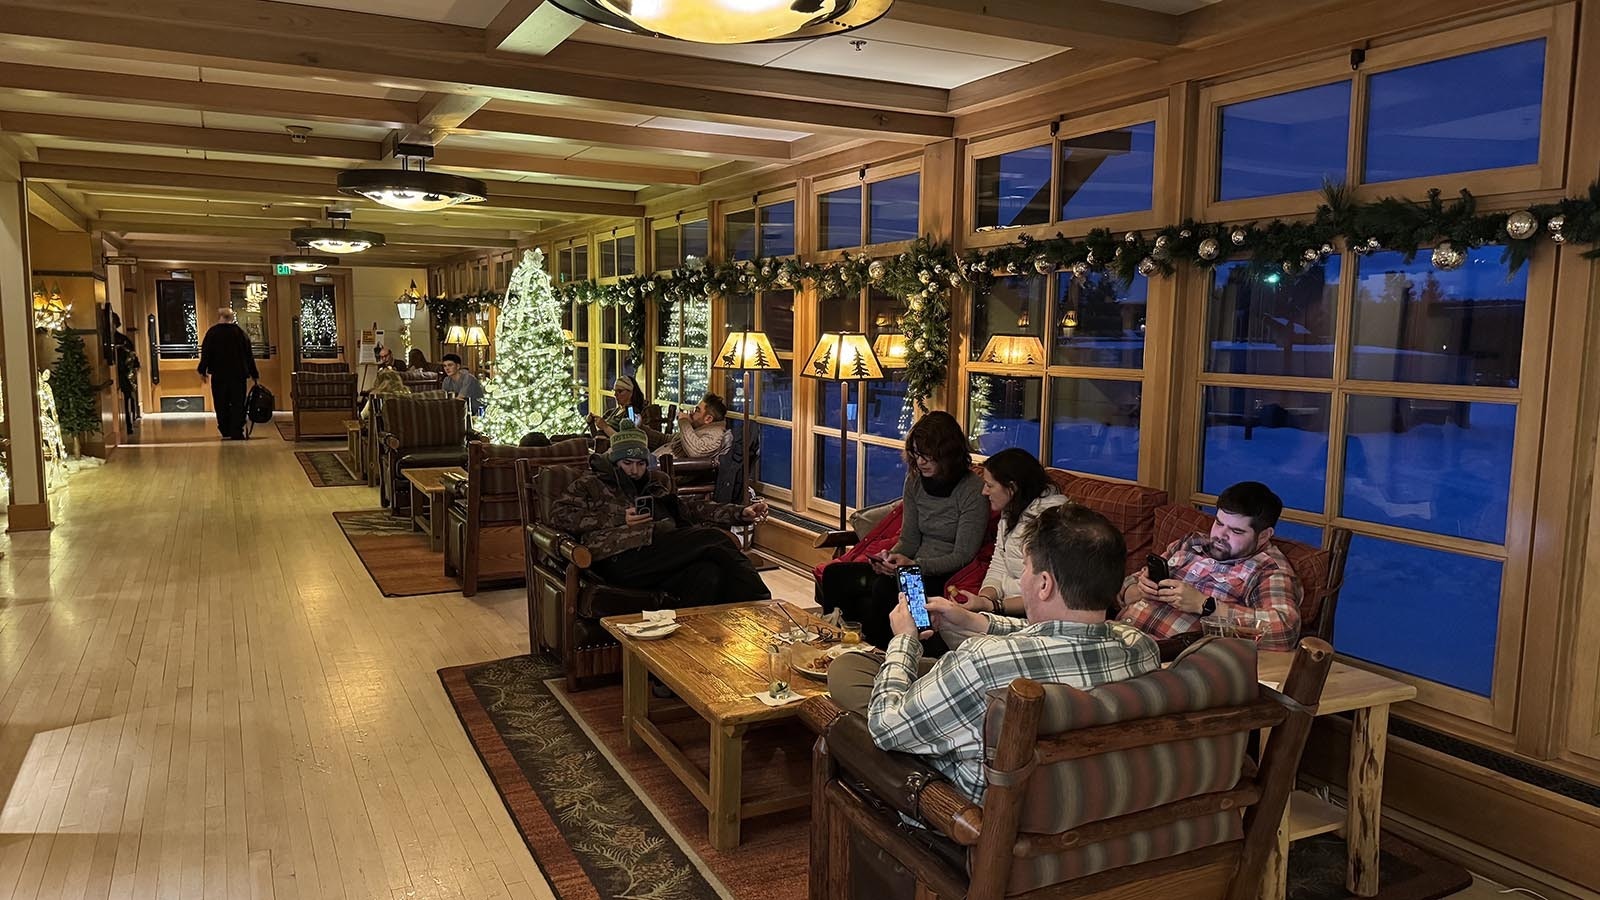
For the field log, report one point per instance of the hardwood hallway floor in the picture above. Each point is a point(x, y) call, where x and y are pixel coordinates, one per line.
point(202, 694)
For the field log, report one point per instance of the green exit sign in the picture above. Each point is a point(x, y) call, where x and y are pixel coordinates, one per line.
point(281, 269)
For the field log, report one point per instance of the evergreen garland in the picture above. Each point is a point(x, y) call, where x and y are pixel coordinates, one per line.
point(532, 388)
point(74, 392)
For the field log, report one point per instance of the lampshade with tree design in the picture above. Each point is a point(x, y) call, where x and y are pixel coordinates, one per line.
point(746, 351)
point(1013, 350)
point(843, 356)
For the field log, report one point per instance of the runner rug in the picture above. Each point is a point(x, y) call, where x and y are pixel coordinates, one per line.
point(604, 821)
point(327, 468)
point(397, 558)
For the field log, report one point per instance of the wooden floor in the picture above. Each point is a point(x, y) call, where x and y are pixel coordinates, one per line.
point(202, 694)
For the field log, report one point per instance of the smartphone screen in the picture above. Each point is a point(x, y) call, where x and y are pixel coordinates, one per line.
point(916, 597)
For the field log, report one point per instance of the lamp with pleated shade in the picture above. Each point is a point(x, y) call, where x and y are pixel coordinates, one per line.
point(476, 336)
point(843, 356)
point(746, 351)
point(456, 335)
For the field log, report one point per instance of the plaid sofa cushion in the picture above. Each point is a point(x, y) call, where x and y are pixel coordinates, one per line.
point(1130, 507)
point(1213, 673)
point(426, 423)
point(1312, 565)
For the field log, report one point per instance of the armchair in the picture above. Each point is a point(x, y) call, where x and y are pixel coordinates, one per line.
point(417, 380)
point(419, 434)
point(323, 401)
point(1073, 807)
point(483, 522)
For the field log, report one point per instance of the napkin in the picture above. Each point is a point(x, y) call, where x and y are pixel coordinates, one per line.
point(767, 699)
point(660, 615)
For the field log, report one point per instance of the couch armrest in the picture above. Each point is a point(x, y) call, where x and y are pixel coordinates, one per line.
point(455, 486)
point(836, 540)
point(559, 545)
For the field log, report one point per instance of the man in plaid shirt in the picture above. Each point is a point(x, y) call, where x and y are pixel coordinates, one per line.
point(1073, 564)
point(1234, 569)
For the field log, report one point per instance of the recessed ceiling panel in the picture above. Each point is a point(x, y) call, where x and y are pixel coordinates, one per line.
point(771, 134)
point(755, 54)
point(892, 62)
point(472, 13)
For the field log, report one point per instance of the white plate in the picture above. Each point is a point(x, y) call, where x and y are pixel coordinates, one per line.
point(834, 652)
point(639, 633)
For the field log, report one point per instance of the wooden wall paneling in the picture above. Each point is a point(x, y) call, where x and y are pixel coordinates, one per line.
point(1175, 172)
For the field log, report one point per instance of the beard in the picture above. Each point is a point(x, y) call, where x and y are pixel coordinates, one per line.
point(1218, 551)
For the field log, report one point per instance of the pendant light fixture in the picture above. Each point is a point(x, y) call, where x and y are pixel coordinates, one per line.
point(412, 189)
point(305, 262)
point(729, 21)
point(337, 237)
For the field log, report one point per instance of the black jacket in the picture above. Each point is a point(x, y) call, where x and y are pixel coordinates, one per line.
point(225, 353)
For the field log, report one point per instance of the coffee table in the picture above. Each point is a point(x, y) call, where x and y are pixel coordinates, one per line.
point(430, 483)
point(714, 661)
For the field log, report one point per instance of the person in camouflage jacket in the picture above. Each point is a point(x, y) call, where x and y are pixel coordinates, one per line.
point(676, 546)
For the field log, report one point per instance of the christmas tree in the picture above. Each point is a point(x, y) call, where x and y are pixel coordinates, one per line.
point(532, 388)
point(75, 394)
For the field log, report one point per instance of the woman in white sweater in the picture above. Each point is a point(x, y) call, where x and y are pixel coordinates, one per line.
point(1019, 489)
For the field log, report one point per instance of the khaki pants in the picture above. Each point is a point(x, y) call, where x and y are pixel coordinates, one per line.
point(850, 679)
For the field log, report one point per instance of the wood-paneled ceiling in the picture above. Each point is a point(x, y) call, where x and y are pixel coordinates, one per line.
point(165, 123)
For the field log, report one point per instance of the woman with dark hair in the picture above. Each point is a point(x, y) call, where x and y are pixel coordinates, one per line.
point(631, 405)
point(943, 520)
point(1019, 489)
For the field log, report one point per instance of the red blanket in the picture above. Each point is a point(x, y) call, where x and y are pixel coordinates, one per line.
point(887, 533)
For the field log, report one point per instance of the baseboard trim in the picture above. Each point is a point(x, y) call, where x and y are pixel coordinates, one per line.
point(28, 517)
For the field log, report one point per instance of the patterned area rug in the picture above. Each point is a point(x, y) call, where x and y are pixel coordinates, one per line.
point(397, 558)
point(327, 468)
point(285, 429)
point(607, 822)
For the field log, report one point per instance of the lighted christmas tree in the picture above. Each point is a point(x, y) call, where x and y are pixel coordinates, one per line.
point(71, 380)
point(532, 388)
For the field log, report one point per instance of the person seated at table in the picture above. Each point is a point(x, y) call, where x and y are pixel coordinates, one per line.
point(666, 543)
point(417, 361)
point(1072, 565)
point(458, 382)
point(385, 357)
point(387, 383)
point(702, 432)
point(631, 406)
point(1019, 490)
point(943, 521)
point(1233, 570)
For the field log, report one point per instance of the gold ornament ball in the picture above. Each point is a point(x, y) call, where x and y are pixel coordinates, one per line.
point(875, 270)
point(1447, 257)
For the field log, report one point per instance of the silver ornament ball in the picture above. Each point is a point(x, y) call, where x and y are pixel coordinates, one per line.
point(1210, 249)
point(1522, 225)
point(1186, 234)
point(875, 270)
point(1161, 242)
point(1238, 237)
point(925, 277)
point(1043, 266)
point(1147, 267)
point(1556, 223)
point(1446, 256)
point(1131, 237)
point(1080, 270)
point(1558, 237)
point(1310, 255)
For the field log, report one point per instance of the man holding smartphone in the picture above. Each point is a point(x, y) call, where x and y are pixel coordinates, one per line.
point(1235, 568)
point(935, 708)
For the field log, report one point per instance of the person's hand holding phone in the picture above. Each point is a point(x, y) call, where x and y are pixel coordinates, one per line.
point(901, 622)
point(635, 517)
point(1182, 595)
point(755, 512)
point(880, 563)
point(945, 611)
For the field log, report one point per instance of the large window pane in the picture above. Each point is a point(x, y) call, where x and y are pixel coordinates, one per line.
point(775, 467)
point(1100, 322)
point(1108, 173)
point(1272, 325)
point(697, 324)
point(825, 481)
point(839, 219)
point(740, 233)
point(740, 313)
point(178, 319)
point(1279, 438)
point(697, 239)
point(319, 323)
point(886, 474)
point(668, 382)
point(1434, 465)
point(887, 409)
point(668, 250)
point(669, 326)
point(1285, 143)
point(251, 302)
point(777, 392)
point(580, 362)
point(892, 213)
point(1004, 412)
point(828, 404)
point(1013, 189)
point(1013, 305)
point(777, 319)
point(1419, 324)
point(840, 314)
point(777, 229)
point(696, 376)
point(1427, 612)
point(1477, 111)
point(610, 325)
point(608, 259)
point(1094, 426)
point(625, 256)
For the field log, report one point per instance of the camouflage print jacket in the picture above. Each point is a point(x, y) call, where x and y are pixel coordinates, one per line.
point(594, 506)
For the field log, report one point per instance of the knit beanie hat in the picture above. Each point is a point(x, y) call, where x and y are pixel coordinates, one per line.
point(628, 443)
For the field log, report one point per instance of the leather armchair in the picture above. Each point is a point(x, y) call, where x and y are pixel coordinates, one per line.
point(421, 433)
point(483, 524)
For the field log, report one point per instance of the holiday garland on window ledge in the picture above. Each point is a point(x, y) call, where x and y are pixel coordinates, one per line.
point(448, 309)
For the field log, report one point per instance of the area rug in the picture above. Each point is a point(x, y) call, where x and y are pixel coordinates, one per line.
point(604, 821)
point(327, 468)
point(285, 429)
point(397, 558)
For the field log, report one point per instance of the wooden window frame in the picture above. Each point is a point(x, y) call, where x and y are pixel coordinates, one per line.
point(864, 178)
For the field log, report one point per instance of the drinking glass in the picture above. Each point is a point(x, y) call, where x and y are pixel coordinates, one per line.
point(778, 656)
point(851, 633)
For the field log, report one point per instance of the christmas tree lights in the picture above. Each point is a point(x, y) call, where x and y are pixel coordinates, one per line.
point(532, 388)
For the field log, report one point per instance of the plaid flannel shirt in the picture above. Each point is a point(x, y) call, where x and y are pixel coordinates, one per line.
point(1263, 581)
point(940, 715)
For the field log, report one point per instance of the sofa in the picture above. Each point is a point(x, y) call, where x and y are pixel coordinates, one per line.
point(483, 521)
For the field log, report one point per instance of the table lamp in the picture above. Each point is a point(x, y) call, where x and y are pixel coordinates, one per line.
point(843, 356)
point(456, 335)
point(746, 351)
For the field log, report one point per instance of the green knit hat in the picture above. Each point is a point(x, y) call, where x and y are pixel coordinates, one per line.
point(628, 443)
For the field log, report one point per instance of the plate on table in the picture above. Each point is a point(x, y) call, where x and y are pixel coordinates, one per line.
point(649, 631)
point(814, 664)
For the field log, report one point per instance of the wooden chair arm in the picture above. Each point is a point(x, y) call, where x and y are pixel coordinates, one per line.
point(903, 781)
point(560, 545)
point(392, 441)
point(835, 539)
point(819, 713)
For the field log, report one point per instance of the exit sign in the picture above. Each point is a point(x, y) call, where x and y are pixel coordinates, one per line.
point(281, 269)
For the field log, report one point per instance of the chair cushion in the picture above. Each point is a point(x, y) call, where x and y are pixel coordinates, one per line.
point(1213, 673)
point(1312, 565)
point(426, 423)
point(429, 457)
point(1130, 507)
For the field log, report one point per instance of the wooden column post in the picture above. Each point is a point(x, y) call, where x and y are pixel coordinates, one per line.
point(29, 508)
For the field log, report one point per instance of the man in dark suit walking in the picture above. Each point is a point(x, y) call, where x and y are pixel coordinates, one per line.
point(226, 361)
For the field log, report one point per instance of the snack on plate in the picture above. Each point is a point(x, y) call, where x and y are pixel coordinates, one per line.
point(820, 664)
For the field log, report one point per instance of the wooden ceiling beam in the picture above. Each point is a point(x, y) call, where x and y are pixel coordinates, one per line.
point(1216, 22)
point(292, 214)
point(437, 114)
point(190, 254)
point(44, 202)
point(1064, 23)
point(632, 173)
point(529, 27)
point(188, 137)
point(201, 227)
point(628, 137)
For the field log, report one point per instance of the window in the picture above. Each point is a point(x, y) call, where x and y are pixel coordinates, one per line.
point(682, 346)
point(893, 207)
point(1094, 426)
point(1108, 173)
point(765, 232)
point(839, 218)
point(617, 256)
point(319, 323)
point(1465, 113)
point(1277, 437)
point(1273, 325)
point(1285, 143)
point(1011, 307)
point(1100, 322)
point(1013, 189)
point(572, 264)
point(177, 319)
point(251, 303)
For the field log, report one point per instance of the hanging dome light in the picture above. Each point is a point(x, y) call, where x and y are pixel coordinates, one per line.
point(305, 262)
point(729, 21)
point(413, 190)
point(337, 237)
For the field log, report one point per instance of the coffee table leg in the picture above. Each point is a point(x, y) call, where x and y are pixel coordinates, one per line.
point(435, 520)
point(1369, 736)
point(727, 774)
point(635, 697)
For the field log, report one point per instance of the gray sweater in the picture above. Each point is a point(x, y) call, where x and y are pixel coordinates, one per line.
point(943, 533)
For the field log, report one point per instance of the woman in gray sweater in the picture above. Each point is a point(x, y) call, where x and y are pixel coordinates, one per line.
point(944, 518)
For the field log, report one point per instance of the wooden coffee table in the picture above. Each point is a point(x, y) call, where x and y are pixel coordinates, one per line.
point(714, 661)
point(429, 516)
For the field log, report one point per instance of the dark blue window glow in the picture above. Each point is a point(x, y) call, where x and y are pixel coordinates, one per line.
point(839, 219)
point(893, 208)
point(1279, 438)
point(1285, 143)
point(826, 477)
point(777, 319)
point(775, 467)
point(740, 233)
point(1273, 325)
point(1462, 114)
point(1425, 612)
point(1004, 412)
point(1094, 426)
point(697, 239)
point(1100, 322)
point(1108, 173)
point(777, 229)
point(1442, 466)
point(1013, 189)
point(887, 410)
point(777, 393)
point(886, 473)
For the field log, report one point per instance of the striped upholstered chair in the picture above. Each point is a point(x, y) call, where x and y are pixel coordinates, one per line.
point(1136, 788)
point(323, 401)
point(420, 434)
